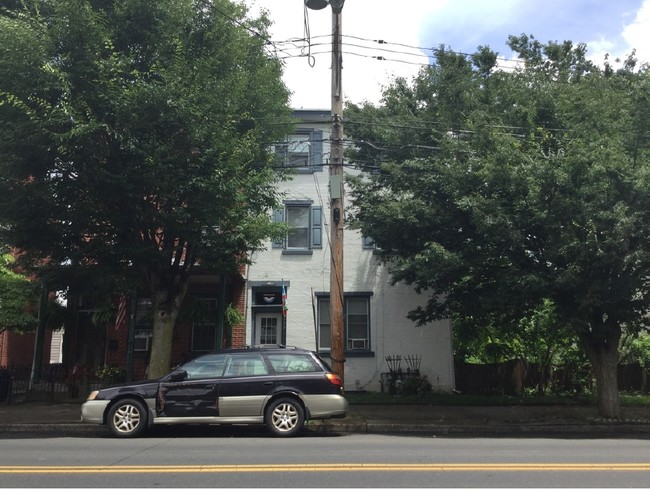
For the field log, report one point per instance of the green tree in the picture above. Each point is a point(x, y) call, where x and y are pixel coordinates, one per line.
point(133, 137)
point(18, 299)
point(494, 189)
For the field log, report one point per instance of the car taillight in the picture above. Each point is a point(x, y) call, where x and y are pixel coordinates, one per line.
point(334, 378)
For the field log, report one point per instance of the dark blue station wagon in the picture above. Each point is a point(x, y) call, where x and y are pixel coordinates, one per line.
point(281, 387)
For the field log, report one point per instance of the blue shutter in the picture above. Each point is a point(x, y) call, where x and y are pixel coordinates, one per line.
point(316, 227)
point(278, 217)
point(317, 150)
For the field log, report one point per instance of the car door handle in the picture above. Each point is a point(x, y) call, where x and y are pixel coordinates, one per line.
point(267, 383)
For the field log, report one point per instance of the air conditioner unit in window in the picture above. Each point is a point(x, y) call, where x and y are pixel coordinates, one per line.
point(358, 344)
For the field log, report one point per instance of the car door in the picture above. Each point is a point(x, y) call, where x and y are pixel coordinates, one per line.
point(245, 386)
point(194, 391)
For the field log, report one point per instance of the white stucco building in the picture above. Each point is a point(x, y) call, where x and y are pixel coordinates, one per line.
point(375, 312)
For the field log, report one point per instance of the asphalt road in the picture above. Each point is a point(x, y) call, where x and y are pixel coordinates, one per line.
point(249, 457)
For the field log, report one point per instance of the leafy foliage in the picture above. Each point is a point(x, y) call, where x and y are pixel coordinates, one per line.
point(134, 138)
point(493, 190)
point(18, 299)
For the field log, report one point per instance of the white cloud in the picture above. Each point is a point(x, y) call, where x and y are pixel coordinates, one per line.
point(637, 34)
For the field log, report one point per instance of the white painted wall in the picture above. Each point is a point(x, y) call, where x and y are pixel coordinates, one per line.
point(391, 332)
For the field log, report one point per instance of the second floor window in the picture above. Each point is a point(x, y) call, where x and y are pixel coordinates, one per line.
point(305, 227)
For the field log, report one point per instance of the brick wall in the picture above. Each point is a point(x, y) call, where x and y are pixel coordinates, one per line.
point(18, 349)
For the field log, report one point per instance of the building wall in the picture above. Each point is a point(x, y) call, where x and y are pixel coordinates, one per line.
point(17, 350)
point(392, 334)
point(117, 338)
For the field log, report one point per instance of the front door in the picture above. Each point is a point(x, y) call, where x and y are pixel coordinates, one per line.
point(197, 393)
point(268, 329)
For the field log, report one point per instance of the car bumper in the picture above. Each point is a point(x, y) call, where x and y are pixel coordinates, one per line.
point(92, 411)
point(326, 406)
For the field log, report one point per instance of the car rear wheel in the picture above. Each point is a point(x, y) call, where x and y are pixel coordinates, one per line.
point(127, 418)
point(285, 417)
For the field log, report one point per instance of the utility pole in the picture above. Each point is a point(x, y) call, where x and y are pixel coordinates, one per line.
point(336, 182)
point(336, 202)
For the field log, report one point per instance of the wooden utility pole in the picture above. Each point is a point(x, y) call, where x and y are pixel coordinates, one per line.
point(337, 322)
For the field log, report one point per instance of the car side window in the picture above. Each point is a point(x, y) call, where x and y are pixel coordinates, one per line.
point(209, 366)
point(291, 363)
point(246, 365)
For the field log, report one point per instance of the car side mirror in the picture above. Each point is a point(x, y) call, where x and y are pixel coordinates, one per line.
point(179, 375)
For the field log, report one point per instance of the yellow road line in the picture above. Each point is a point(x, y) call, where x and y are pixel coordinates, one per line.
point(297, 468)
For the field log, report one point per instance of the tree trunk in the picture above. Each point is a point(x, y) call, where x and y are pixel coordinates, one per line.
point(603, 355)
point(164, 320)
point(166, 302)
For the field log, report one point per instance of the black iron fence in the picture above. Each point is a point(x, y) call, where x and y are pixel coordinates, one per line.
point(53, 382)
point(518, 377)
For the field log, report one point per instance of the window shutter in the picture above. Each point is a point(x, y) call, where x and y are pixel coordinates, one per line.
point(278, 217)
point(282, 153)
point(316, 227)
point(317, 150)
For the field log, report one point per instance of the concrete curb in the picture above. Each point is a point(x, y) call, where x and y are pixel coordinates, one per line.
point(380, 427)
point(65, 429)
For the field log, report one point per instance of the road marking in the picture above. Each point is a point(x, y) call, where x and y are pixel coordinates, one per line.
point(298, 468)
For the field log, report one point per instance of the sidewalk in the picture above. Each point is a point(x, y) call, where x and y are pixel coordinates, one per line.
point(65, 419)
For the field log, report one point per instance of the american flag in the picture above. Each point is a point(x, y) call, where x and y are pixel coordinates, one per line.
point(284, 301)
point(121, 312)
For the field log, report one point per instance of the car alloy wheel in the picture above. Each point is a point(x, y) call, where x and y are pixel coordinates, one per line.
point(285, 417)
point(127, 418)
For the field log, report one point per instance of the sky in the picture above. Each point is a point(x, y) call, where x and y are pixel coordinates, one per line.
point(404, 32)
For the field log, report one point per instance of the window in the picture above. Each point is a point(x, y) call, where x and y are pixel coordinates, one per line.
point(268, 330)
point(204, 325)
point(368, 243)
point(302, 151)
point(324, 326)
point(298, 220)
point(143, 325)
point(210, 366)
point(293, 363)
point(357, 322)
point(246, 365)
point(305, 227)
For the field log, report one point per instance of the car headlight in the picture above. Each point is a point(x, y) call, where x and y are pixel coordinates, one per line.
point(93, 395)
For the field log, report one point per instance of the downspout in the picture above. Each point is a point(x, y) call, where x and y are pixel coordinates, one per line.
point(218, 341)
point(131, 339)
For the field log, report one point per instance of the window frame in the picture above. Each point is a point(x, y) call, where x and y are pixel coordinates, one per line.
point(213, 324)
point(314, 161)
point(322, 297)
point(314, 227)
point(142, 329)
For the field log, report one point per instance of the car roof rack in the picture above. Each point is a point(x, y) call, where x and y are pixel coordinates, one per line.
point(267, 346)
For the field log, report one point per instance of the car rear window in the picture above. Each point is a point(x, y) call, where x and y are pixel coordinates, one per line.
point(293, 363)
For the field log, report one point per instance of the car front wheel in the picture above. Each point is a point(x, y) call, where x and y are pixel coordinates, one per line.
point(285, 417)
point(127, 418)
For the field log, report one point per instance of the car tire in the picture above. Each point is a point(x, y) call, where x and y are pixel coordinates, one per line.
point(285, 417)
point(127, 418)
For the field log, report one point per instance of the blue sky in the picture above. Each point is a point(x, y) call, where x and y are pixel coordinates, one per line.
point(465, 24)
point(410, 28)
